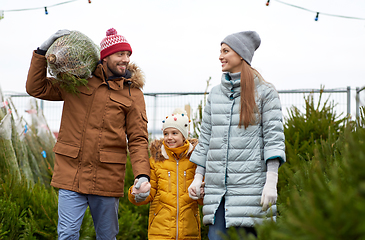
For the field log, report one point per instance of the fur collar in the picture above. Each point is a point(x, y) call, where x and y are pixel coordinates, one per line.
point(137, 79)
point(158, 152)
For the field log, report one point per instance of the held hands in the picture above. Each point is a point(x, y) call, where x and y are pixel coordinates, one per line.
point(269, 193)
point(53, 38)
point(196, 188)
point(141, 189)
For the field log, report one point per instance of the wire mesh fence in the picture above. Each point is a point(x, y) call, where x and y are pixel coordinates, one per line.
point(159, 105)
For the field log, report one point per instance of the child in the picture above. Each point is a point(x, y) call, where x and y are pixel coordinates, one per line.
point(173, 214)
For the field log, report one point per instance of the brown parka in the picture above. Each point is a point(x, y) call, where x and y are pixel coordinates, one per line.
point(98, 125)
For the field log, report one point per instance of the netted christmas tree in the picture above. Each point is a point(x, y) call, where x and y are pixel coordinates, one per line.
point(8, 160)
point(71, 59)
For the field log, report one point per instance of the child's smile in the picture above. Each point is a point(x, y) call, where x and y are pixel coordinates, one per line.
point(173, 138)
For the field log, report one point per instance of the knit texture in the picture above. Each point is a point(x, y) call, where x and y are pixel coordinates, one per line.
point(113, 43)
point(178, 119)
point(244, 44)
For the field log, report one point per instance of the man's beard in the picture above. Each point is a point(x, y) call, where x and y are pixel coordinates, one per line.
point(116, 73)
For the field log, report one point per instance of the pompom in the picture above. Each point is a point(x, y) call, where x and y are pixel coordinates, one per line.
point(111, 31)
point(180, 111)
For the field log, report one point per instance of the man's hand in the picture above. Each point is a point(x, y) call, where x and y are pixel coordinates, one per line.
point(269, 193)
point(194, 188)
point(138, 182)
point(141, 189)
point(53, 38)
point(140, 197)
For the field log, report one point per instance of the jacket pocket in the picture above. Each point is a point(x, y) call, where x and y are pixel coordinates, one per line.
point(190, 220)
point(160, 222)
point(144, 116)
point(66, 150)
point(113, 157)
point(169, 185)
point(110, 172)
point(155, 212)
point(184, 181)
point(121, 99)
point(87, 90)
point(66, 164)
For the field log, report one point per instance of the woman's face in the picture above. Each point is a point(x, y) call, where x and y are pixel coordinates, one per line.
point(231, 61)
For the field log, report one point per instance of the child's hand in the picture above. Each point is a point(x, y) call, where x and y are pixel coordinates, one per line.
point(142, 193)
point(202, 193)
point(145, 187)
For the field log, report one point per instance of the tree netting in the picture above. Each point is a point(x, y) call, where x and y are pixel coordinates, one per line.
point(25, 149)
point(71, 59)
point(8, 160)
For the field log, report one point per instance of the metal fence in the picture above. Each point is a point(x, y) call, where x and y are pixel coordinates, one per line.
point(159, 105)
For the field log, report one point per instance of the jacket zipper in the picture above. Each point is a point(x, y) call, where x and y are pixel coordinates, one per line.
point(177, 199)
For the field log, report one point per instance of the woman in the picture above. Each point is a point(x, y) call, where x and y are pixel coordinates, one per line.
point(241, 143)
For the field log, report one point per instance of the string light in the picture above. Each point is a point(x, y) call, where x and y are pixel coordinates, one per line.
point(35, 8)
point(317, 13)
point(316, 19)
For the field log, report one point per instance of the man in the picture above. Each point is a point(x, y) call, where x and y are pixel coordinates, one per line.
point(91, 149)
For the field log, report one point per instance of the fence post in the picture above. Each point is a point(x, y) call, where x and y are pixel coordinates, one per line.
point(348, 100)
point(357, 102)
point(154, 116)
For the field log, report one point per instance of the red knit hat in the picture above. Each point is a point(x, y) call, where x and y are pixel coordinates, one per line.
point(113, 43)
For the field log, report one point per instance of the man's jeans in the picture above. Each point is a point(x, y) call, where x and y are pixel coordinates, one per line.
point(71, 211)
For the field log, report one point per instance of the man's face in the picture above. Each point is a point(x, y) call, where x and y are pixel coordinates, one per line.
point(116, 63)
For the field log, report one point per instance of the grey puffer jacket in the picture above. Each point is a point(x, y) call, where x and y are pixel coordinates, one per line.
point(235, 158)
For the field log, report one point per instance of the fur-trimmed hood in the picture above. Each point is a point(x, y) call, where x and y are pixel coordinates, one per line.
point(136, 75)
point(137, 78)
point(158, 152)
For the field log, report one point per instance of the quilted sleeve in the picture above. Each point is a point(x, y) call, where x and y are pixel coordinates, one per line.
point(200, 152)
point(272, 124)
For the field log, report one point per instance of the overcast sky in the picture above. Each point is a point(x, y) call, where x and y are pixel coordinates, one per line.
point(176, 42)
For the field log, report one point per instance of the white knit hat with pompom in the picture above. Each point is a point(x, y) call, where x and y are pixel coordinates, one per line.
point(178, 119)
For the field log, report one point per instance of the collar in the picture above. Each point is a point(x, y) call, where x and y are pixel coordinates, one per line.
point(231, 84)
point(178, 152)
point(113, 82)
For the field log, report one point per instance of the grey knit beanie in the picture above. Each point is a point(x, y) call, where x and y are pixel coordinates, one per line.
point(243, 43)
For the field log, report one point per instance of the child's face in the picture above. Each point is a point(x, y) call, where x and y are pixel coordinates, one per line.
point(173, 138)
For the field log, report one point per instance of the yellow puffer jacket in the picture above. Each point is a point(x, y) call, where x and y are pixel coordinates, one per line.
point(169, 197)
